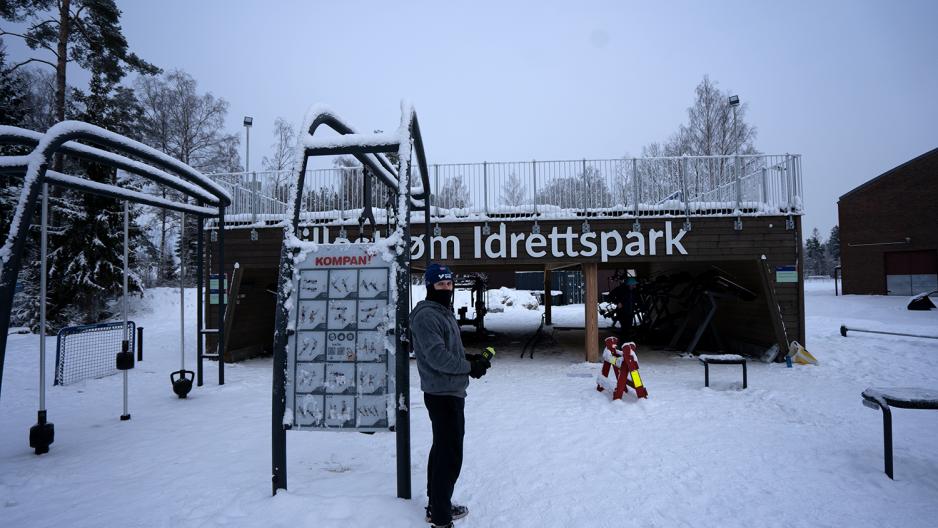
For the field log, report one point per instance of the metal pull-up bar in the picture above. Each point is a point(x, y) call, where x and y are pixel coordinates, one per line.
point(128, 155)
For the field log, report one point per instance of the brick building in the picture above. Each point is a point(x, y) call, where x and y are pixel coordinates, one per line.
point(889, 231)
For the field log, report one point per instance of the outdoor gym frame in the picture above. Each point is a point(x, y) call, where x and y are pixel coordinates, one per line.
point(369, 150)
point(151, 164)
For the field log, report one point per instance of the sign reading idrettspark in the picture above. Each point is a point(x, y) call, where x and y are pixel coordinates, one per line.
point(554, 243)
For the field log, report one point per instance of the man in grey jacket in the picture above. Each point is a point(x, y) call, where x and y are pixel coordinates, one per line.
point(444, 369)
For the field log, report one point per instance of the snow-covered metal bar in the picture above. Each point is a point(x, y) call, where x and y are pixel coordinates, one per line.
point(202, 187)
point(63, 137)
point(112, 191)
point(368, 149)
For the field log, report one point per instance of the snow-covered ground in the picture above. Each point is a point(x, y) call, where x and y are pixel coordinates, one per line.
point(543, 448)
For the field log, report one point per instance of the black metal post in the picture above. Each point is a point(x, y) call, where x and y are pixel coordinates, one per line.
point(223, 290)
point(887, 438)
point(139, 343)
point(426, 237)
point(199, 285)
point(402, 346)
point(745, 378)
point(278, 431)
point(402, 369)
point(706, 374)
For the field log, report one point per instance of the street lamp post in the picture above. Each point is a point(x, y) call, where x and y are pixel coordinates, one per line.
point(734, 102)
point(738, 224)
point(248, 121)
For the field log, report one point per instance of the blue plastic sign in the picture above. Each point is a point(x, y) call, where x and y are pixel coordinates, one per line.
point(786, 274)
point(213, 288)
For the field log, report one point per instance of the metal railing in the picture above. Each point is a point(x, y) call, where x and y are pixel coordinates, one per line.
point(635, 188)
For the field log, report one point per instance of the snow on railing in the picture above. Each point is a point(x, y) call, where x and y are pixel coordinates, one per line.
point(636, 188)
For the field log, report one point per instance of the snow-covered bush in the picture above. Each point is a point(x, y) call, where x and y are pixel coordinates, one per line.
point(506, 297)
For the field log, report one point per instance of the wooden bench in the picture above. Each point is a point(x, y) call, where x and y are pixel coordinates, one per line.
point(722, 359)
point(903, 398)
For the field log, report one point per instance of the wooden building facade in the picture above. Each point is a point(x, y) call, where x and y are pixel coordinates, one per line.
point(763, 256)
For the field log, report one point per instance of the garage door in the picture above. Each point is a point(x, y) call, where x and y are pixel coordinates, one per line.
point(911, 272)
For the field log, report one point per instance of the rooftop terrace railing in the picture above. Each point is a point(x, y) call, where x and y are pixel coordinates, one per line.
point(633, 188)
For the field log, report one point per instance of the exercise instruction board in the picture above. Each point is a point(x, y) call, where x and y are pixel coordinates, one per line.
point(339, 370)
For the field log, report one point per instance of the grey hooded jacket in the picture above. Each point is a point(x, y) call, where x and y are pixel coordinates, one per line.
point(441, 358)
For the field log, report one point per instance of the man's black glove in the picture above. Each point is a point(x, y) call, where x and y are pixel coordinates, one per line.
point(477, 365)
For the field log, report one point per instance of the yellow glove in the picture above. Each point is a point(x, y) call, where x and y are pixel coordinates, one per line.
point(488, 353)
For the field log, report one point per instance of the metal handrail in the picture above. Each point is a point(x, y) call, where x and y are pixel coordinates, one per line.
point(633, 188)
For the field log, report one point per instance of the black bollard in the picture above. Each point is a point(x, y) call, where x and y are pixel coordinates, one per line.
point(139, 343)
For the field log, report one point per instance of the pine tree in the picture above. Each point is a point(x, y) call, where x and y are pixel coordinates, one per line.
point(13, 111)
point(86, 32)
point(833, 249)
point(814, 254)
point(86, 264)
point(13, 90)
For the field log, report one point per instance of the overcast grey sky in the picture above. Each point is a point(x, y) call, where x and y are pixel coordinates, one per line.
point(850, 85)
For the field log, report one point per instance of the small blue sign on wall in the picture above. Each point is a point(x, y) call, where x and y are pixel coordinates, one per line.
point(213, 289)
point(786, 274)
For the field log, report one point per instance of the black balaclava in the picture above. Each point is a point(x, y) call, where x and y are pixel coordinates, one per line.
point(434, 274)
point(444, 297)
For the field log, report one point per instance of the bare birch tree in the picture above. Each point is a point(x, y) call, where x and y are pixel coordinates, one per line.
point(280, 162)
point(513, 191)
point(188, 126)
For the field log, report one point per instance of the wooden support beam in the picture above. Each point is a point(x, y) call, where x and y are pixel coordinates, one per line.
point(775, 314)
point(591, 306)
point(547, 296)
point(233, 292)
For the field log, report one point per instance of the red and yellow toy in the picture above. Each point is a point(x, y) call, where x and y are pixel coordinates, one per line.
point(624, 365)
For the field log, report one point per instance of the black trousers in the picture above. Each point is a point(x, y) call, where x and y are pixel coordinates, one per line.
point(448, 419)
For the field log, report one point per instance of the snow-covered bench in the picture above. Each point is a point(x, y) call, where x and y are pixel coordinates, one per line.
point(722, 359)
point(903, 398)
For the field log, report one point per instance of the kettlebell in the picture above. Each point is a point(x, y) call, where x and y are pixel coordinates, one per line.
point(182, 382)
point(125, 358)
